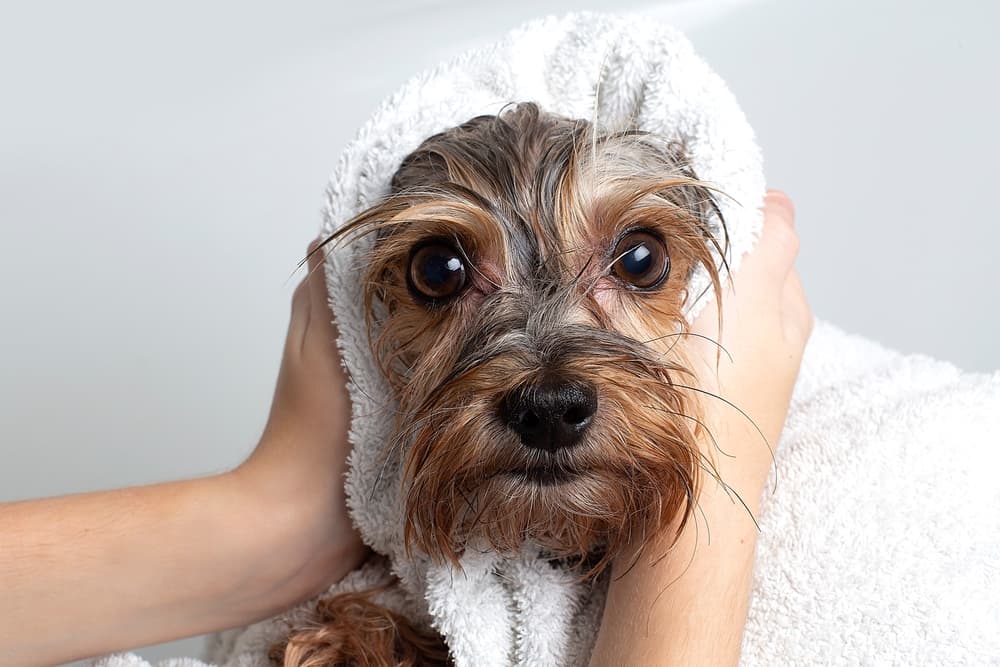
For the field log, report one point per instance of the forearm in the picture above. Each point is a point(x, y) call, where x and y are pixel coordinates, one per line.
point(687, 604)
point(83, 575)
point(88, 574)
point(689, 608)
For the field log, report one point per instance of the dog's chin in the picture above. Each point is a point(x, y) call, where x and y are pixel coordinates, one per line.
point(492, 491)
point(544, 475)
point(548, 476)
point(571, 511)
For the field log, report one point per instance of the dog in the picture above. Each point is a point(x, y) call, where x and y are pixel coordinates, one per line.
point(524, 295)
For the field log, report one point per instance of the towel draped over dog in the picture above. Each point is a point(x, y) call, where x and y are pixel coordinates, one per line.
point(880, 542)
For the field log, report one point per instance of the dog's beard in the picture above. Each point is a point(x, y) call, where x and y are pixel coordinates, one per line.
point(537, 207)
point(538, 219)
point(471, 482)
point(469, 479)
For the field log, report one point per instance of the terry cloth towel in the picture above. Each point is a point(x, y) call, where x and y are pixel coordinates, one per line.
point(880, 544)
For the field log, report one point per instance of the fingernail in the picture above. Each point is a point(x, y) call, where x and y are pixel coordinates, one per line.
point(782, 202)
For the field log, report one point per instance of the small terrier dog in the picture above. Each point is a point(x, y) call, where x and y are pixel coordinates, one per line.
point(524, 297)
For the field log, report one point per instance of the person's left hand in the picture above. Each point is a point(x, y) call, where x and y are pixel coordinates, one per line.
point(300, 462)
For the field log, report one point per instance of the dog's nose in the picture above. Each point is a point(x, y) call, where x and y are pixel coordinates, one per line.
point(552, 415)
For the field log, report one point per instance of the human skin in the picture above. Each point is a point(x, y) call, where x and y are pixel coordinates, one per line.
point(88, 574)
point(93, 573)
point(686, 604)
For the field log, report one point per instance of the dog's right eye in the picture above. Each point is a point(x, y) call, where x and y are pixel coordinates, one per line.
point(437, 272)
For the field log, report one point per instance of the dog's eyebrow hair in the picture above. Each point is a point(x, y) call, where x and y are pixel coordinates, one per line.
point(471, 262)
point(537, 203)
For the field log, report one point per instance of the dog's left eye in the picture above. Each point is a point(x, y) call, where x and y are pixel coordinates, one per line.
point(437, 272)
point(641, 260)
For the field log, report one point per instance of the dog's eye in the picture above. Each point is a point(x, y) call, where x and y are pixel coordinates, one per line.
point(437, 271)
point(641, 260)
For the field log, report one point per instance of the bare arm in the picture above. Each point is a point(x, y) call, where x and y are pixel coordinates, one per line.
point(87, 574)
point(687, 605)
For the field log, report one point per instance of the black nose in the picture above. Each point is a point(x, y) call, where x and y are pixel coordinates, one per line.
point(552, 415)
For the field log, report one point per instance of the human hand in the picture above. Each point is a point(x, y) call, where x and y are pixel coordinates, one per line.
point(693, 587)
point(766, 322)
point(298, 467)
point(129, 567)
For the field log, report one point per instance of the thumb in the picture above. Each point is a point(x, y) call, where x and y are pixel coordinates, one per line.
point(778, 245)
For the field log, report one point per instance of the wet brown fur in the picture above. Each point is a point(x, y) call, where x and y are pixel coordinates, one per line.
point(535, 202)
point(352, 629)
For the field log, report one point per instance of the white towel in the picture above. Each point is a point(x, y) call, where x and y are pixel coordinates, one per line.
point(881, 543)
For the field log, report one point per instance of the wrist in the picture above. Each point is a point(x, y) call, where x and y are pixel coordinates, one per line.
point(690, 595)
point(298, 528)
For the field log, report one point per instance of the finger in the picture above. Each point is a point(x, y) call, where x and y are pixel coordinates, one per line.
point(300, 313)
point(781, 205)
point(314, 259)
point(302, 292)
point(319, 296)
point(300, 297)
point(769, 262)
point(779, 243)
point(797, 316)
point(779, 212)
point(313, 254)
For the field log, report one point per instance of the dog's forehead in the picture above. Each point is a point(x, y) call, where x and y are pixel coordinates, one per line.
point(535, 199)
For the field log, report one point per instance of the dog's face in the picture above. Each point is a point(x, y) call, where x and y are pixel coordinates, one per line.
point(525, 292)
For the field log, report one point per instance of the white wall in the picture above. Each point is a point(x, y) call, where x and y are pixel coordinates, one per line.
point(161, 171)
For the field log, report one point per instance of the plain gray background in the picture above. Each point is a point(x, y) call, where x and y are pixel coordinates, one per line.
point(162, 165)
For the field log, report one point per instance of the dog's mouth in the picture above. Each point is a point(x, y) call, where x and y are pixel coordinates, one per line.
point(546, 475)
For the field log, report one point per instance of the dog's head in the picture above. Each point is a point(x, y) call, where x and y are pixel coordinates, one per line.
point(525, 292)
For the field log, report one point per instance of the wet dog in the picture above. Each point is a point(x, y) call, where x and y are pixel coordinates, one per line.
point(525, 294)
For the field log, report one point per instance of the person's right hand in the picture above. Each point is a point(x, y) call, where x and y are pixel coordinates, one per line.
point(766, 322)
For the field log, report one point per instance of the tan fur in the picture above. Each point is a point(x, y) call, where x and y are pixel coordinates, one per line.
point(536, 203)
point(351, 629)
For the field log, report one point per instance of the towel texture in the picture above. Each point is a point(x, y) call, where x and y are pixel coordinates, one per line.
point(881, 542)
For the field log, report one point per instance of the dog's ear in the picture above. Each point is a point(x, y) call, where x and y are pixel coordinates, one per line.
point(353, 629)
